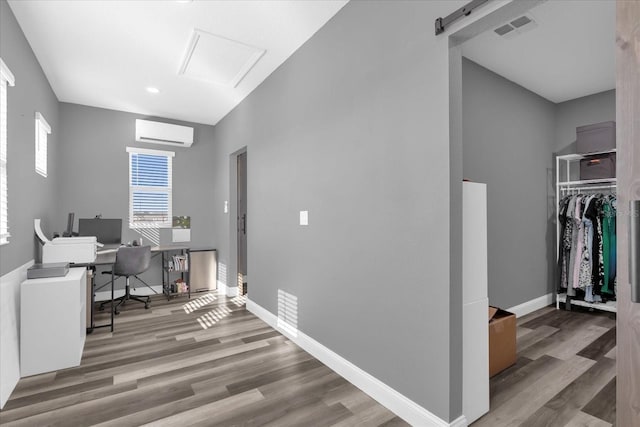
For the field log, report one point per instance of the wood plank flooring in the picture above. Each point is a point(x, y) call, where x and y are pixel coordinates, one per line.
point(208, 362)
point(202, 362)
point(564, 374)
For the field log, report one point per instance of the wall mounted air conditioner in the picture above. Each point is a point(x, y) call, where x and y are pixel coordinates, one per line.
point(164, 133)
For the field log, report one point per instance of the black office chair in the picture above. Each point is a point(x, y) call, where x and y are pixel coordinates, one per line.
point(130, 261)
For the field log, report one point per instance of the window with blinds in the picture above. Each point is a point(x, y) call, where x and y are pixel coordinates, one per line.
point(42, 130)
point(150, 188)
point(6, 79)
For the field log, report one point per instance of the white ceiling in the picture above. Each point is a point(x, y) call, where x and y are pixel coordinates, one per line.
point(570, 54)
point(106, 53)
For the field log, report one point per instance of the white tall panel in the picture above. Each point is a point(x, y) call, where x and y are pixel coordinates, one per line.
point(474, 242)
point(475, 322)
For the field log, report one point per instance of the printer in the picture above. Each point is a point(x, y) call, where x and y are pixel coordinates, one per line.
point(78, 250)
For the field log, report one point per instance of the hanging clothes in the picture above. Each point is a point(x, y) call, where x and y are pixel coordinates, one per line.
point(609, 244)
point(587, 246)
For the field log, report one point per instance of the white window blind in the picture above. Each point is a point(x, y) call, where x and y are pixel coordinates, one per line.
point(6, 79)
point(150, 188)
point(42, 130)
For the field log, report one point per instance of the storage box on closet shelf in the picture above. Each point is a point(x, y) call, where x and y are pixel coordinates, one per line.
point(568, 172)
point(568, 181)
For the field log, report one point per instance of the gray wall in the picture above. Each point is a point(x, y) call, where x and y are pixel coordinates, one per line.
point(348, 129)
point(30, 195)
point(510, 137)
point(94, 172)
point(587, 110)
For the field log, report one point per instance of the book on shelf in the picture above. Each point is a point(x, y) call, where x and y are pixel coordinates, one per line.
point(178, 263)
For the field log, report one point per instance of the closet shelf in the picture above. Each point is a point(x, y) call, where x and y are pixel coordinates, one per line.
point(573, 157)
point(611, 181)
point(602, 306)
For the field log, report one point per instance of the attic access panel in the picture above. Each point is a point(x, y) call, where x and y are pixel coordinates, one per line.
point(217, 59)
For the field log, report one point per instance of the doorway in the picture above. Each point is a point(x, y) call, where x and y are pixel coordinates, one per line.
point(470, 158)
point(241, 233)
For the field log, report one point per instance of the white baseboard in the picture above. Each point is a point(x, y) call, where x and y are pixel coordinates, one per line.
point(531, 306)
point(10, 330)
point(461, 421)
point(396, 402)
point(230, 291)
point(222, 288)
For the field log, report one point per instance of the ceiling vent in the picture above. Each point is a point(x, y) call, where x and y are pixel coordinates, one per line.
point(218, 59)
point(163, 133)
point(516, 27)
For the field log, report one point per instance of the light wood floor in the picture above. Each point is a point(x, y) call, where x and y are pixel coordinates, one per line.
point(204, 362)
point(208, 361)
point(564, 374)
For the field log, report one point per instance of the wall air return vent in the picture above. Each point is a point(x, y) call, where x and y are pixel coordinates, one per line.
point(516, 27)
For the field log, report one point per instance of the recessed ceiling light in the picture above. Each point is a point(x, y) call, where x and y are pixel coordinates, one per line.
point(184, 1)
point(153, 90)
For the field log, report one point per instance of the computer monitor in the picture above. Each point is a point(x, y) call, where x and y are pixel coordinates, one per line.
point(107, 231)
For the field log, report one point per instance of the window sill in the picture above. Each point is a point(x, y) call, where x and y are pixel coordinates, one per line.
point(148, 226)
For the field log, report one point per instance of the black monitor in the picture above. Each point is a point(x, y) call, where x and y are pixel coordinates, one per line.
point(107, 231)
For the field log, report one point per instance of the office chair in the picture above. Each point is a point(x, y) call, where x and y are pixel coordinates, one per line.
point(130, 261)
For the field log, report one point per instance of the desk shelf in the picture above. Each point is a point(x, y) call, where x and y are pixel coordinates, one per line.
point(175, 262)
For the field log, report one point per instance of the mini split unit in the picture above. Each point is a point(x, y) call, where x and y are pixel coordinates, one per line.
point(164, 133)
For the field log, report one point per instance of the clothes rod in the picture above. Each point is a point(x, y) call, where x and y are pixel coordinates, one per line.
point(443, 23)
point(597, 187)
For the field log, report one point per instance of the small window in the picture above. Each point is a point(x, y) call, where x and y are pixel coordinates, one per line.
point(6, 79)
point(150, 184)
point(42, 130)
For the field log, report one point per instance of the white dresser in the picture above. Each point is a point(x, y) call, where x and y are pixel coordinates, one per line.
point(52, 322)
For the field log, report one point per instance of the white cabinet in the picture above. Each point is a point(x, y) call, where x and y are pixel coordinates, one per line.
point(475, 302)
point(52, 322)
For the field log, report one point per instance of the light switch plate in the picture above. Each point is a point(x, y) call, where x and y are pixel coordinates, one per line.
point(304, 217)
point(226, 206)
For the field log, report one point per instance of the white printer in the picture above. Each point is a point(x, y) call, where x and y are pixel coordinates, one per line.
point(79, 250)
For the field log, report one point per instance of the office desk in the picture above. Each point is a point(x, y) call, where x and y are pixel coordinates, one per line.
point(102, 259)
point(108, 258)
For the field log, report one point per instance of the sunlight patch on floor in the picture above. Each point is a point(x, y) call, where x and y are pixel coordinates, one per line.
point(197, 303)
point(240, 300)
point(209, 319)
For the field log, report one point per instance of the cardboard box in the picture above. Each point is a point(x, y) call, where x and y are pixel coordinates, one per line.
point(502, 340)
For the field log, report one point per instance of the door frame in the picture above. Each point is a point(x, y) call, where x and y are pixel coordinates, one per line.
point(485, 19)
point(488, 16)
point(232, 268)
